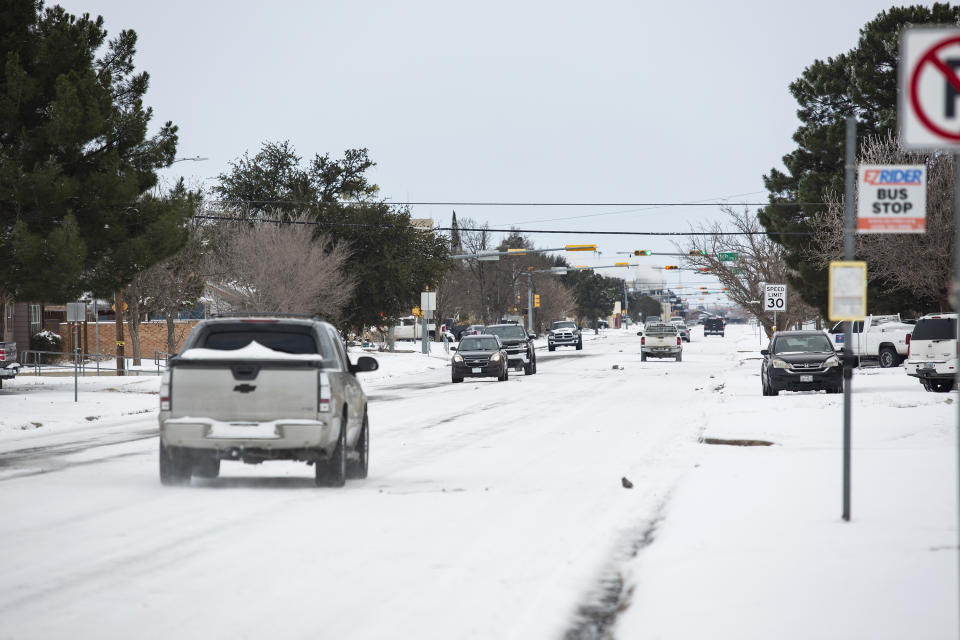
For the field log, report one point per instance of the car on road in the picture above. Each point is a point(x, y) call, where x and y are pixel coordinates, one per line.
point(478, 357)
point(254, 389)
point(713, 327)
point(682, 328)
point(471, 330)
point(564, 333)
point(518, 344)
point(800, 361)
point(932, 354)
point(661, 340)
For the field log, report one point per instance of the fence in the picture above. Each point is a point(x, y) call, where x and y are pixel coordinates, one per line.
point(55, 362)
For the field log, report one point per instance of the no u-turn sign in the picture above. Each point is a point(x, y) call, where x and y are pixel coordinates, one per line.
point(929, 96)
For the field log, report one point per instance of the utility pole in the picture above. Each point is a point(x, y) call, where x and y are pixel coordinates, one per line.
point(118, 310)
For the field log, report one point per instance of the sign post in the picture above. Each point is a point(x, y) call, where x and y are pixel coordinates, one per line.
point(428, 304)
point(928, 111)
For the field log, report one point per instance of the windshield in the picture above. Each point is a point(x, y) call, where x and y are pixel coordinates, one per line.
point(508, 332)
point(286, 340)
point(935, 329)
point(813, 343)
point(563, 325)
point(479, 344)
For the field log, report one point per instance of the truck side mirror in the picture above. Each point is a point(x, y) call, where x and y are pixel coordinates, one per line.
point(764, 352)
point(364, 363)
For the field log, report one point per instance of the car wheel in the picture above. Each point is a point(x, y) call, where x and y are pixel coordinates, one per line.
point(773, 391)
point(579, 344)
point(174, 466)
point(534, 366)
point(357, 469)
point(889, 357)
point(942, 385)
point(550, 347)
point(455, 379)
point(643, 357)
point(528, 368)
point(333, 472)
point(926, 384)
point(207, 466)
point(679, 357)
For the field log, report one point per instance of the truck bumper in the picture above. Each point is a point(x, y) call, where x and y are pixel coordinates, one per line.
point(216, 435)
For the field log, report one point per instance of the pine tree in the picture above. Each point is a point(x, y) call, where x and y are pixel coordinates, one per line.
point(861, 82)
point(74, 157)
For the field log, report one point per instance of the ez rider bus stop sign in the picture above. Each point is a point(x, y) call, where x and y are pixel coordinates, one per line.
point(891, 199)
point(929, 88)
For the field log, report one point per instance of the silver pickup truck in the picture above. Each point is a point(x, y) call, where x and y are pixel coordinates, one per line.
point(264, 388)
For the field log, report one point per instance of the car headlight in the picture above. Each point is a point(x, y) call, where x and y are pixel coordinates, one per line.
point(779, 364)
point(495, 357)
point(458, 358)
point(832, 361)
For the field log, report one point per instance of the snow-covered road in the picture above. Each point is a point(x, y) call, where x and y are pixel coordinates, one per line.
point(492, 509)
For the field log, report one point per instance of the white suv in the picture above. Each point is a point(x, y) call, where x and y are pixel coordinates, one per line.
point(932, 352)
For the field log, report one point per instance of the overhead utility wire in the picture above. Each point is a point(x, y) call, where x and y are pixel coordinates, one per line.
point(566, 231)
point(699, 203)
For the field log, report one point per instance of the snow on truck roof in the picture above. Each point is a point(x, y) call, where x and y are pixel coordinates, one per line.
point(252, 351)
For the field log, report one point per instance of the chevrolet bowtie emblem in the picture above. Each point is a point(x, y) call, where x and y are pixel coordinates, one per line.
point(244, 388)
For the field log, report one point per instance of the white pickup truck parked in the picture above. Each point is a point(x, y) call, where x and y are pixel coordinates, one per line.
point(881, 338)
point(264, 388)
point(411, 328)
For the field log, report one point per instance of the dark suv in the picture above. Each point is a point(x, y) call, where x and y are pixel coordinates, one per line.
point(800, 361)
point(478, 357)
point(713, 327)
point(518, 344)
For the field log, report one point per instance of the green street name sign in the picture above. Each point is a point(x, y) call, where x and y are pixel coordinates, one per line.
point(727, 256)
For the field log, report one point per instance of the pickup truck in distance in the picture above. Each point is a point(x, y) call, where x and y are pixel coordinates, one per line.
point(883, 338)
point(660, 340)
point(264, 388)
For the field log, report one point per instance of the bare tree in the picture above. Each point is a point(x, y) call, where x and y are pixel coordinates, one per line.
point(282, 268)
point(759, 261)
point(920, 263)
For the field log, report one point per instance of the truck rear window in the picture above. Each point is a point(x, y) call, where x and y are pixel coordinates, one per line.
point(285, 341)
point(935, 329)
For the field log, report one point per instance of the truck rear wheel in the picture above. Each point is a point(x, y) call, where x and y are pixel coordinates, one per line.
point(889, 357)
point(333, 472)
point(174, 466)
point(358, 468)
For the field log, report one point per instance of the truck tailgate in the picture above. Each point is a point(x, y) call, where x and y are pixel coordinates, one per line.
point(244, 392)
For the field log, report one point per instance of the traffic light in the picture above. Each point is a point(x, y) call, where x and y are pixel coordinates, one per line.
point(643, 252)
point(536, 300)
point(702, 269)
point(695, 252)
point(671, 266)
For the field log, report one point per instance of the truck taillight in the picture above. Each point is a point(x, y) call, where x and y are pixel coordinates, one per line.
point(165, 403)
point(643, 340)
point(908, 345)
point(678, 341)
point(323, 397)
point(3, 354)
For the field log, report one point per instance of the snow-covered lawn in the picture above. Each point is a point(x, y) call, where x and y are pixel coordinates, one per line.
point(495, 510)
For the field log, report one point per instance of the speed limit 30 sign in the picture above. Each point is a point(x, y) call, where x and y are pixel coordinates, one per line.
point(775, 297)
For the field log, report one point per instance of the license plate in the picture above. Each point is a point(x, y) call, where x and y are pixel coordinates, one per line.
point(806, 378)
point(475, 370)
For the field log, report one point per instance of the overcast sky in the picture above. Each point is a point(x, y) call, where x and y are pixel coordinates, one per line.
point(498, 101)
